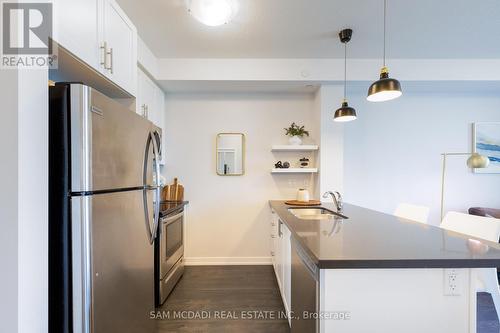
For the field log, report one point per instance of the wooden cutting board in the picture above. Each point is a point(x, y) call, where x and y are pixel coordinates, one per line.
point(303, 203)
point(173, 192)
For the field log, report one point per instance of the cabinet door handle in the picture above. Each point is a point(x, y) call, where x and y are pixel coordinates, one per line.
point(279, 229)
point(110, 53)
point(147, 111)
point(104, 48)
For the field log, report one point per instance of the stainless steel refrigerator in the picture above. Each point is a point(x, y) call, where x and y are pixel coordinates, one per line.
point(103, 211)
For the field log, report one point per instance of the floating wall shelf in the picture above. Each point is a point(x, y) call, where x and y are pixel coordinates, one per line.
point(294, 148)
point(295, 170)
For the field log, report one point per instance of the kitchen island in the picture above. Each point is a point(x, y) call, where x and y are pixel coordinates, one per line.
point(370, 271)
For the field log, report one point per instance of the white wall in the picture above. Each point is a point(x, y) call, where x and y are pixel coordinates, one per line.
point(331, 176)
point(33, 201)
point(392, 152)
point(229, 216)
point(24, 201)
point(8, 202)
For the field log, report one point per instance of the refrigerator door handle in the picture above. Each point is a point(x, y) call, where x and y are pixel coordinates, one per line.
point(156, 153)
point(156, 209)
point(146, 216)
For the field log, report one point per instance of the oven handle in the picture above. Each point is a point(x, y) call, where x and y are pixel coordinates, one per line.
point(172, 219)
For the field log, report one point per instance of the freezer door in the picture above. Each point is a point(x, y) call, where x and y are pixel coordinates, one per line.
point(113, 288)
point(108, 143)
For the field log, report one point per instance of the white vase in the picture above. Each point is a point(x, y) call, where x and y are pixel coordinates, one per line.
point(295, 140)
point(303, 195)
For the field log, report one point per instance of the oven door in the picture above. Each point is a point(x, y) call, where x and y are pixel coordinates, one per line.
point(171, 242)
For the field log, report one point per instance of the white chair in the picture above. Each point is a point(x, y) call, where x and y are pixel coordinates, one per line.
point(412, 212)
point(487, 228)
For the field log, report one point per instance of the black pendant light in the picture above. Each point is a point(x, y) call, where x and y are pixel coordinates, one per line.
point(386, 88)
point(345, 112)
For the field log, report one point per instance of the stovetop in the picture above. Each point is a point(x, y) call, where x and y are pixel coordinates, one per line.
point(167, 207)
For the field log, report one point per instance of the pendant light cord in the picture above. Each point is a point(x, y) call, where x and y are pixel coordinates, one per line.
point(345, 70)
point(385, 13)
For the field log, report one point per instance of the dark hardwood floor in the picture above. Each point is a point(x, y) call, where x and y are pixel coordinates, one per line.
point(231, 296)
point(223, 294)
point(487, 319)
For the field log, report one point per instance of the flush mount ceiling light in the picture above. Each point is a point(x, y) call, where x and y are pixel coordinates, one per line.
point(212, 12)
point(386, 88)
point(345, 112)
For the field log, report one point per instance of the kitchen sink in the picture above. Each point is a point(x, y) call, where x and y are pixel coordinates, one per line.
point(315, 214)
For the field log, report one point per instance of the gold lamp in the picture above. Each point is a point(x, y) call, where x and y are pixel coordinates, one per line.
point(475, 161)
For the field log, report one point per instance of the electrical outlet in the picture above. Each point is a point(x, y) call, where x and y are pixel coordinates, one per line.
point(452, 282)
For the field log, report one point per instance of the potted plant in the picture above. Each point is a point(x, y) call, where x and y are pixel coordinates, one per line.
point(296, 133)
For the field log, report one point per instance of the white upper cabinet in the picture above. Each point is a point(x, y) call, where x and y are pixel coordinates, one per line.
point(119, 45)
point(145, 95)
point(150, 101)
point(76, 28)
point(160, 108)
point(100, 34)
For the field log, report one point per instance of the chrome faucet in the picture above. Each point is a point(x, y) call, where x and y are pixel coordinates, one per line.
point(337, 199)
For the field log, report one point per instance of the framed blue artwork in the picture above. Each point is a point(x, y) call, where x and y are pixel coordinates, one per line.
point(487, 142)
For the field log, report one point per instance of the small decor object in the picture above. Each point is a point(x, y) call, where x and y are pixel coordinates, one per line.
point(286, 165)
point(279, 165)
point(303, 195)
point(487, 143)
point(304, 162)
point(230, 154)
point(296, 133)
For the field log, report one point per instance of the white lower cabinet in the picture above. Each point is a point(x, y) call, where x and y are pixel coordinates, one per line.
point(281, 254)
point(275, 253)
point(287, 267)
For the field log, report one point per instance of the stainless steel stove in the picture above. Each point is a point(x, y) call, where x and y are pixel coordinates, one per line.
point(169, 249)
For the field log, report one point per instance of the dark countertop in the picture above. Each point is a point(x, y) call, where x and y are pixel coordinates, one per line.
point(371, 239)
point(167, 207)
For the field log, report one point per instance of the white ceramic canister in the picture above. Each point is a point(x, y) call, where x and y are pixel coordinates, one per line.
point(303, 195)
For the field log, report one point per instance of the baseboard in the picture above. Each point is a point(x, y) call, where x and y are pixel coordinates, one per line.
point(222, 261)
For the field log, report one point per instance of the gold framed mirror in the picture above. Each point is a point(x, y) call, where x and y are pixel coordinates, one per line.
point(230, 154)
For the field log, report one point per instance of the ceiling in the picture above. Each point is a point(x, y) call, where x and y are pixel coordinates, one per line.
point(355, 88)
point(246, 87)
point(308, 29)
